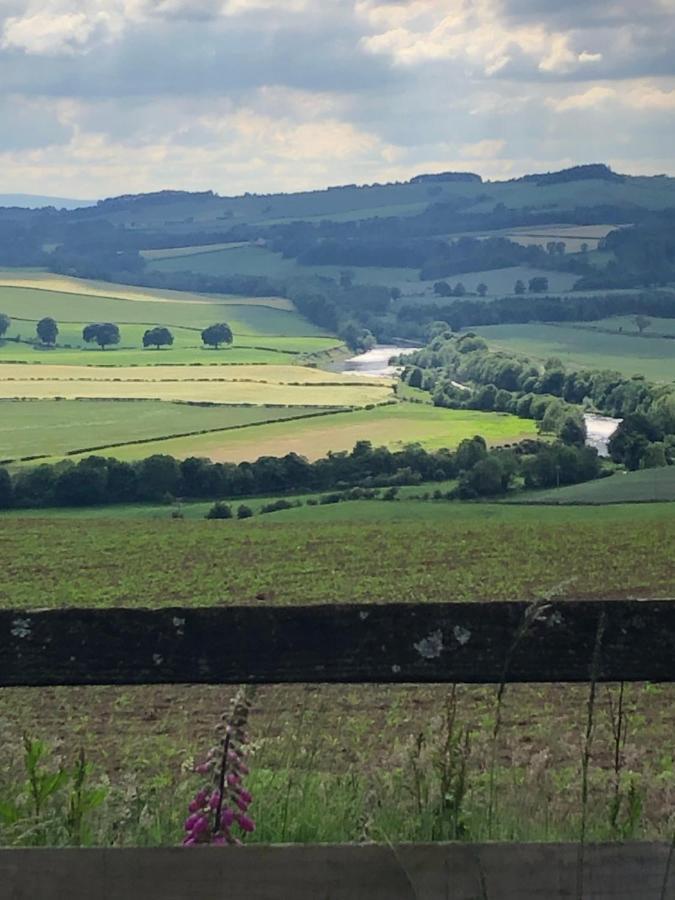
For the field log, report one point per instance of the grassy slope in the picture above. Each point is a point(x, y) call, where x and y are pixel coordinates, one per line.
point(631, 355)
point(51, 428)
point(218, 212)
point(250, 260)
point(393, 426)
point(480, 552)
point(624, 487)
point(251, 318)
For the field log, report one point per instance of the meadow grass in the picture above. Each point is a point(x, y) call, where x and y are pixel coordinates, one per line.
point(582, 348)
point(187, 347)
point(250, 318)
point(648, 485)
point(53, 428)
point(392, 425)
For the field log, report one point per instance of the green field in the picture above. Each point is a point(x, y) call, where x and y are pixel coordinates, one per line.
point(256, 316)
point(391, 425)
point(253, 260)
point(52, 428)
point(481, 552)
point(646, 486)
point(582, 348)
point(626, 324)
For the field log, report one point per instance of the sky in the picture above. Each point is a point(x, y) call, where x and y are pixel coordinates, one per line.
point(104, 97)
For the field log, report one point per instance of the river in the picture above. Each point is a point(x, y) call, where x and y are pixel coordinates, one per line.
point(376, 363)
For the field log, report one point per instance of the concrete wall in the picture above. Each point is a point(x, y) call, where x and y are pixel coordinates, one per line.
point(632, 871)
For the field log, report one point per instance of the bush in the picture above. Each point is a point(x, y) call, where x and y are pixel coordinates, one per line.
point(278, 505)
point(244, 512)
point(219, 510)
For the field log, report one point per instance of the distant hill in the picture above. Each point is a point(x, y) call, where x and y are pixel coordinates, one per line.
point(37, 201)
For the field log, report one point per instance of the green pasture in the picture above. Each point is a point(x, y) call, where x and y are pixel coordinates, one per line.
point(187, 347)
point(244, 317)
point(626, 325)
point(389, 425)
point(582, 348)
point(646, 486)
point(53, 428)
point(252, 260)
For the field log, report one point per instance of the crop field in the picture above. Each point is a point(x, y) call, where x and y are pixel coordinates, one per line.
point(483, 551)
point(260, 385)
point(645, 486)
point(52, 428)
point(391, 425)
point(626, 353)
point(573, 236)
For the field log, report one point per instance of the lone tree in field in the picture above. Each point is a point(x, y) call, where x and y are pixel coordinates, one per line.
point(105, 334)
point(482, 289)
point(642, 322)
point(538, 285)
point(157, 337)
point(5, 322)
point(47, 331)
point(519, 287)
point(218, 334)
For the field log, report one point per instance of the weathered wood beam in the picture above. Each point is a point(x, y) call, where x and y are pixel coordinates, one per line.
point(633, 640)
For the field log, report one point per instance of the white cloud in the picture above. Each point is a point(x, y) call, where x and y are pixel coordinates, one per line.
point(487, 149)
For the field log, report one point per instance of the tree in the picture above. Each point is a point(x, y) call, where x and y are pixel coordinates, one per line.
point(217, 334)
point(459, 290)
point(519, 287)
point(5, 322)
point(482, 289)
point(47, 331)
point(104, 333)
point(6, 491)
point(442, 289)
point(157, 337)
point(415, 378)
point(395, 293)
point(538, 285)
point(654, 457)
point(219, 510)
point(573, 431)
point(642, 322)
point(244, 512)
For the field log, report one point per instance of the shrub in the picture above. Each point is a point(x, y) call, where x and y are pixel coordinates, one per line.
point(219, 510)
point(244, 512)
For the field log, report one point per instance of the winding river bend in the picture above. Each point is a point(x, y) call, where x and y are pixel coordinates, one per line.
point(375, 362)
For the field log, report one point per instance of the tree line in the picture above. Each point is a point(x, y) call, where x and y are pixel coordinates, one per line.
point(107, 334)
point(553, 394)
point(481, 471)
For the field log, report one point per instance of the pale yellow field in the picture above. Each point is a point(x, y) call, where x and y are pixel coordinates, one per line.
point(255, 384)
point(211, 372)
point(48, 281)
point(195, 250)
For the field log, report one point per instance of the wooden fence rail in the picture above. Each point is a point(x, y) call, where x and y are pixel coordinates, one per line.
point(491, 642)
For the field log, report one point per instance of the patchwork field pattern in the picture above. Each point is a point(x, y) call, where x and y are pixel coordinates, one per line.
point(392, 425)
point(51, 428)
